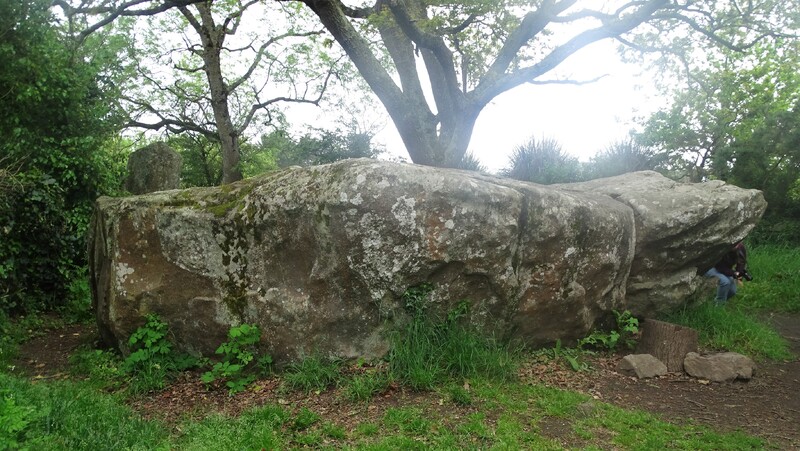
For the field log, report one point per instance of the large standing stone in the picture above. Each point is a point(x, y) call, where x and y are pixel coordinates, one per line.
point(319, 257)
point(153, 168)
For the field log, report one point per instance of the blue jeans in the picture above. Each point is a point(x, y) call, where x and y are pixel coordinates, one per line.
point(726, 288)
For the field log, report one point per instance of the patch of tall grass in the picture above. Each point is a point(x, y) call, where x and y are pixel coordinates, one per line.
point(732, 328)
point(259, 428)
point(430, 350)
point(71, 416)
point(776, 279)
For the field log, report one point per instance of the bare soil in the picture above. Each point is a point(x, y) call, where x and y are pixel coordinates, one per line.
point(767, 406)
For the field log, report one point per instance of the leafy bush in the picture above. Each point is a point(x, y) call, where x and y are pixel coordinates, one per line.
point(54, 128)
point(238, 353)
point(542, 161)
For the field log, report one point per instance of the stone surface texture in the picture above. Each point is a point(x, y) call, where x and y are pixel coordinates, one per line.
point(681, 229)
point(643, 366)
point(319, 257)
point(152, 168)
point(722, 367)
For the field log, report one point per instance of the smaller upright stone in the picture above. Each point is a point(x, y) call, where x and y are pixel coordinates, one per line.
point(722, 367)
point(156, 167)
point(643, 366)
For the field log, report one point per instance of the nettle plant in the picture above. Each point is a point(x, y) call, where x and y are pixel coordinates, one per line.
point(625, 334)
point(152, 360)
point(238, 357)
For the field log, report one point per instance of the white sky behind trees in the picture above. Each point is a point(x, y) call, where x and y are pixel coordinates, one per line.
point(584, 119)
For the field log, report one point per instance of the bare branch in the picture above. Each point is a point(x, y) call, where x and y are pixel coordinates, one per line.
point(260, 54)
point(125, 9)
point(568, 82)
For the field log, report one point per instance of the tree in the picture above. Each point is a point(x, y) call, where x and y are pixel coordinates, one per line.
point(56, 126)
point(737, 118)
point(223, 79)
point(320, 147)
point(474, 51)
point(542, 161)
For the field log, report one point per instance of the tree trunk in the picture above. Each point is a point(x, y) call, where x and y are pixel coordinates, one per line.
point(213, 39)
point(667, 342)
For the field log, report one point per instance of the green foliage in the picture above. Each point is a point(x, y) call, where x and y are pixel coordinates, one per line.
point(101, 367)
point(737, 118)
point(13, 332)
point(776, 231)
point(459, 395)
point(305, 419)
point(570, 356)
point(625, 334)
point(55, 126)
point(14, 420)
point(542, 161)
point(313, 373)
point(320, 147)
point(78, 307)
point(68, 415)
point(775, 285)
point(202, 159)
point(152, 362)
point(470, 162)
point(430, 350)
point(259, 428)
point(238, 354)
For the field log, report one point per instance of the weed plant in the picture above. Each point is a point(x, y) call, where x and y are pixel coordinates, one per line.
point(624, 334)
point(239, 353)
point(152, 362)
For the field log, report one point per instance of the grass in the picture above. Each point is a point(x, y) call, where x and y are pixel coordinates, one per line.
point(76, 416)
point(73, 416)
point(776, 280)
point(733, 328)
point(313, 373)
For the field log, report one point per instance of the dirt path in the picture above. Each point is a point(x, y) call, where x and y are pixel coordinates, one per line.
point(768, 406)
